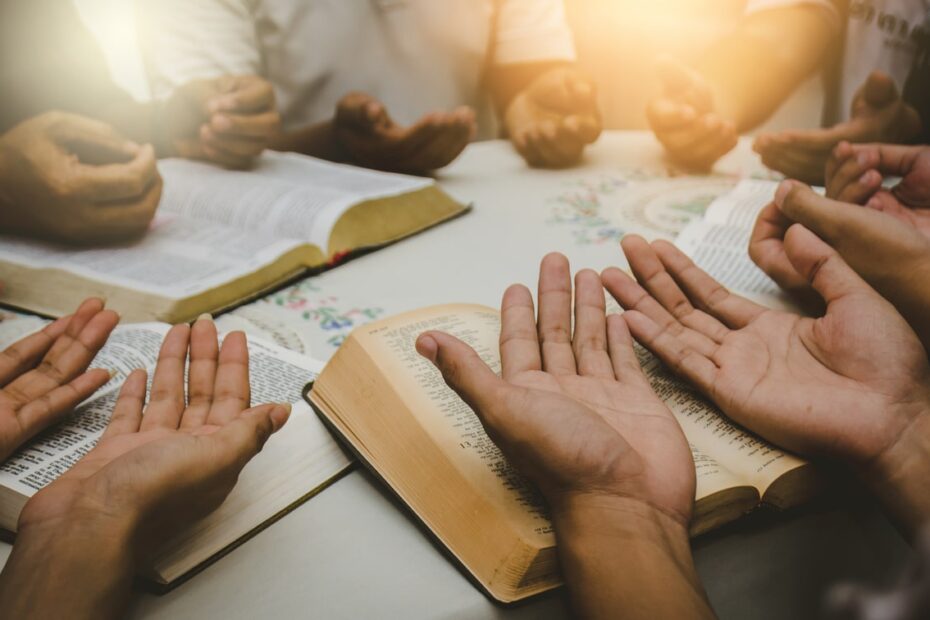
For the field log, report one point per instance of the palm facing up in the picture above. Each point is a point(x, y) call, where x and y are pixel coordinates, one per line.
point(153, 472)
point(574, 412)
point(44, 376)
point(847, 384)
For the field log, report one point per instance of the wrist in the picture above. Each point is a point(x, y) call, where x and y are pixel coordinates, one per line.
point(898, 476)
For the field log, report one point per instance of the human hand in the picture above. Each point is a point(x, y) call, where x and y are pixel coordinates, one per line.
point(855, 173)
point(68, 178)
point(891, 255)
point(554, 118)
point(372, 139)
point(44, 375)
point(684, 118)
point(878, 114)
point(152, 473)
point(572, 411)
point(850, 385)
point(227, 121)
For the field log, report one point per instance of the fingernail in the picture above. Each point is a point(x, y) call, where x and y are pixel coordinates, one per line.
point(221, 122)
point(863, 158)
point(428, 347)
point(110, 372)
point(280, 414)
point(206, 316)
point(868, 177)
point(782, 192)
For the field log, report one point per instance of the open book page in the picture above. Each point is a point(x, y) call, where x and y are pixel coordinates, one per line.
point(451, 424)
point(176, 258)
point(729, 452)
point(719, 243)
point(285, 196)
point(277, 375)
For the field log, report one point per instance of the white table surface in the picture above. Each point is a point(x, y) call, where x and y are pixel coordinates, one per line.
point(350, 552)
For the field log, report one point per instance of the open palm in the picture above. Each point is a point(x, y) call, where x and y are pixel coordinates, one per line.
point(573, 411)
point(44, 375)
point(847, 384)
point(179, 460)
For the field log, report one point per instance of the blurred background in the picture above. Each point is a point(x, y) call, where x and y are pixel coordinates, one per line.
point(616, 40)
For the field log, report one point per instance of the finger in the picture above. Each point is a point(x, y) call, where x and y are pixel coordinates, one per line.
point(684, 361)
point(704, 292)
point(445, 146)
point(666, 304)
point(359, 111)
point(631, 296)
point(251, 94)
point(261, 126)
point(880, 89)
point(666, 114)
point(555, 315)
point(216, 153)
point(232, 393)
point(127, 412)
point(854, 180)
point(587, 127)
point(113, 182)
point(243, 437)
point(24, 354)
point(94, 142)
point(797, 164)
point(623, 358)
point(525, 143)
point(823, 267)
point(62, 365)
point(767, 249)
point(841, 152)
point(201, 374)
point(464, 371)
point(236, 147)
point(829, 219)
point(589, 341)
point(166, 402)
point(557, 146)
point(895, 159)
point(55, 404)
point(519, 343)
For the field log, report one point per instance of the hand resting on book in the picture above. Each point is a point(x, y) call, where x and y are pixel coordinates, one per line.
point(148, 475)
point(44, 375)
point(853, 384)
point(575, 413)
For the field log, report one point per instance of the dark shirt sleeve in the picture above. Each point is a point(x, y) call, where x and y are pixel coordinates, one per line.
point(50, 61)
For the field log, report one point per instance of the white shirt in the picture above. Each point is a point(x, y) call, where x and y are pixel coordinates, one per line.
point(417, 56)
point(879, 35)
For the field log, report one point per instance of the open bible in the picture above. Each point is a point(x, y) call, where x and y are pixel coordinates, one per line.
point(222, 237)
point(394, 410)
point(297, 461)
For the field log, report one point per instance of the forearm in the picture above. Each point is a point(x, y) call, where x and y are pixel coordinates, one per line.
point(71, 572)
point(621, 558)
point(754, 69)
point(318, 140)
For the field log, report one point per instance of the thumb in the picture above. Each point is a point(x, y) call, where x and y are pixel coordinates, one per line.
point(833, 221)
point(244, 437)
point(821, 265)
point(879, 89)
point(464, 372)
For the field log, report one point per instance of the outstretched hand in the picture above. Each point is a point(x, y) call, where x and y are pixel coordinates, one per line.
point(554, 118)
point(44, 376)
point(572, 410)
point(152, 473)
point(371, 138)
point(855, 173)
point(848, 385)
point(685, 120)
point(891, 255)
point(878, 114)
point(228, 120)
